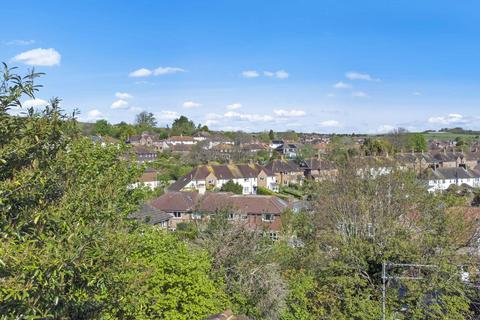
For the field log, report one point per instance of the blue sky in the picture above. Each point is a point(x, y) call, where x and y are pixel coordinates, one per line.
point(324, 66)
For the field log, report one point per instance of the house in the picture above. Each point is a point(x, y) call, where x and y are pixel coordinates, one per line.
point(442, 178)
point(145, 154)
point(181, 148)
point(288, 150)
point(201, 136)
point(275, 144)
point(180, 205)
point(147, 139)
point(149, 179)
point(208, 177)
point(252, 147)
point(262, 213)
point(286, 171)
point(318, 169)
point(216, 140)
point(153, 216)
point(176, 140)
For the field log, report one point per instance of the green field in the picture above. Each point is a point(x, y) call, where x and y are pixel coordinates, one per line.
point(450, 136)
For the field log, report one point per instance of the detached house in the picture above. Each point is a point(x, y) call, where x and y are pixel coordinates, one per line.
point(207, 177)
point(176, 140)
point(288, 150)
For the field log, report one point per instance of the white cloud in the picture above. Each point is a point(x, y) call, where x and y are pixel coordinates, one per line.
point(250, 74)
point(352, 75)
point(330, 95)
point(143, 72)
point(330, 123)
point(234, 106)
point(416, 93)
point(289, 113)
point(119, 104)
point(385, 128)
point(39, 57)
point(359, 94)
point(35, 103)
point(341, 85)
point(19, 42)
point(166, 115)
point(449, 119)
point(160, 71)
point(123, 95)
point(92, 115)
point(280, 74)
point(248, 117)
point(191, 104)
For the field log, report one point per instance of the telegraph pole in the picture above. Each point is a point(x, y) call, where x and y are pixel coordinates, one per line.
point(384, 288)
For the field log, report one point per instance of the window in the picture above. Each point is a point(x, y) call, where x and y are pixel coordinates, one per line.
point(273, 236)
point(230, 216)
point(246, 189)
point(268, 217)
point(177, 214)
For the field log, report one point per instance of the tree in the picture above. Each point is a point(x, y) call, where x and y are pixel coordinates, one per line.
point(183, 126)
point(231, 186)
point(102, 128)
point(360, 221)
point(67, 249)
point(146, 119)
point(417, 142)
point(271, 134)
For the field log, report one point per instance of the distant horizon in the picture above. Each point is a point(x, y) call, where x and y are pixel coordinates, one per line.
point(327, 66)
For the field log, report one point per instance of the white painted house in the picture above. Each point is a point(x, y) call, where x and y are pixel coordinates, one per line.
point(442, 178)
point(209, 177)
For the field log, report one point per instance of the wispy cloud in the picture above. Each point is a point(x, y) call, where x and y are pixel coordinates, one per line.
point(353, 75)
point(91, 116)
point(234, 106)
point(160, 71)
point(123, 95)
point(329, 123)
point(280, 74)
point(342, 85)
point(166, 115)
point(452, 118)
point(359, 94)
point(191, 104)
point(289, 113)
point(385, 128)
point(19, 42)
point(39, 57)
point(167, 70)
point(250, 74)
point(417, 93)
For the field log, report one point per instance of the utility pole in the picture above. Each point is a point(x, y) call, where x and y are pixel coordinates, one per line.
point(385, 277)
point(384, 288)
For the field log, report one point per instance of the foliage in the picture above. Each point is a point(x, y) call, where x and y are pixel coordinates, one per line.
point(67, 251)
point(183, 126)
point(243, 261)
point(231, 186)
point(145, 120)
